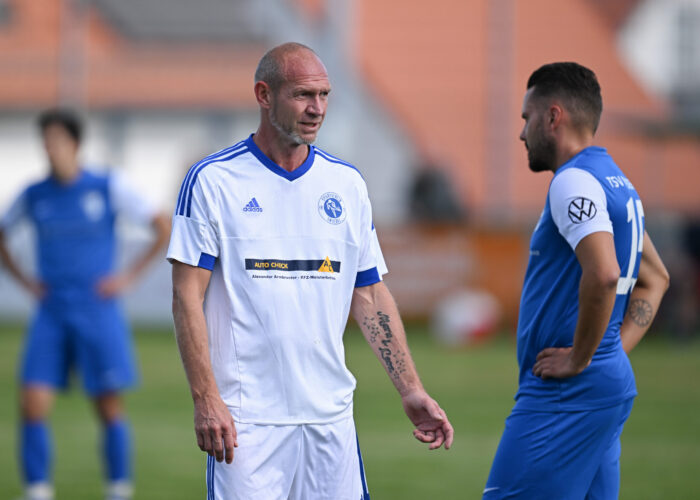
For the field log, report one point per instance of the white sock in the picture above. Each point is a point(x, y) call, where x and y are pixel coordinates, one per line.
point(39, 491)
point(120, 490)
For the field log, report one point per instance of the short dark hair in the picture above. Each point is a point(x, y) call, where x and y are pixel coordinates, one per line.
point(65, 118)
point(573, 83)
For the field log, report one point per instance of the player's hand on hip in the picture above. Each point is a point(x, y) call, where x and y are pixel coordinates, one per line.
point(36, 288)
point(556, 362)
point(432, 425)
point(111, 286)
point(214, 427)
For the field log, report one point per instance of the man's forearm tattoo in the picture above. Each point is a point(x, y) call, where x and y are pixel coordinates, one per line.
point(385, 352)
point(394, 358)
point(371, 328)
point(641, 312)
point(384, 323)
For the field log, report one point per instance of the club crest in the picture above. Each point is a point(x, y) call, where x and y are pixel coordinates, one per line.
point(331, 208)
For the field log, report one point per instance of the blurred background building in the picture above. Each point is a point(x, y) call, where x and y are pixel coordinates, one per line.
point(416, 88)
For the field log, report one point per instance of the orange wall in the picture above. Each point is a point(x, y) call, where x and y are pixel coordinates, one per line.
point(571, 30)
point(426, 64)
point(109, 71)
point(438, 70)
point(29, 48)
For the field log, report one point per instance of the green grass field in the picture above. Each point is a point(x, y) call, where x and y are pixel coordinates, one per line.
point(661, 443)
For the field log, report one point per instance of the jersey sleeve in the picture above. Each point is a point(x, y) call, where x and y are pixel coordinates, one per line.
point(371, 265)
point(194, 239)
point(17, 211)
point(578, 205)
point(129, 201)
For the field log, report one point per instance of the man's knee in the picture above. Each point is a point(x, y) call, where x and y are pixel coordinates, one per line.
point(35, 402)
point(109, 407)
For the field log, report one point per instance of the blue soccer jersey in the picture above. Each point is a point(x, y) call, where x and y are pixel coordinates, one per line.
point(75, 243)
point(588, 194)
point(74, 226)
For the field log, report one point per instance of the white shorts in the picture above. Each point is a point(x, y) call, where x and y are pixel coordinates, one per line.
point(291, 462)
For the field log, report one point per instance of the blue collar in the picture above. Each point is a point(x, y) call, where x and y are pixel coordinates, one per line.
point(594, 149)
point(74, 182)
point(588, 150)
point(274, 168)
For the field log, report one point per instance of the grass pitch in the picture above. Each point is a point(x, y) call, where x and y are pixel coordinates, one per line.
point(660, 445)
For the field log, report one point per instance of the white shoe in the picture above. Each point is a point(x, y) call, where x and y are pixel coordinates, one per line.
point(119, 490)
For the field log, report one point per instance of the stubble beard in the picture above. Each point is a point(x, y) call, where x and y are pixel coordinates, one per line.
point(542, 156)
point(288, 132)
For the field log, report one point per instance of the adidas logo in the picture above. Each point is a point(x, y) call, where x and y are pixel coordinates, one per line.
point(252, 206)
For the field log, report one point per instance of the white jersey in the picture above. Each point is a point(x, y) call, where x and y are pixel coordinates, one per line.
point(286, 250)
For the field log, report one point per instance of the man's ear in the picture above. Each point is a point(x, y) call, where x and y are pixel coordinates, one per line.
point(263, 94)
point(555, 114)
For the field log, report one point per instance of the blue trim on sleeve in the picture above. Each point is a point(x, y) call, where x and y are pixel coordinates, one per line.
point(179, 210)
point(185, 184)
point(190, 188)
point(273, 167)
point(184, 204)
point(206, 261)
point(335, 159)
point(368, 277)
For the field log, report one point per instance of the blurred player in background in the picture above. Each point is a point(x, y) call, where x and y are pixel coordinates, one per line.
point(277, 235)
point(592, 287)
point(79, 322)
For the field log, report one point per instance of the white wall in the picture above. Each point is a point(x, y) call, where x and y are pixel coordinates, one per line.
point(650, 40)
point(155, 148)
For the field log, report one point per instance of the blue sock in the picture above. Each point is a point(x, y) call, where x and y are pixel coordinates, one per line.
point(35, 451)
point(117, 450)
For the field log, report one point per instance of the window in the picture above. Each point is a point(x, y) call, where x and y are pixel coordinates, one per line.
point(5, 13)
point(688, 52)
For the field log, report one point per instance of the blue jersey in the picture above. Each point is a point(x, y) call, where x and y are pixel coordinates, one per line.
point(587, 194)
point(75, 228)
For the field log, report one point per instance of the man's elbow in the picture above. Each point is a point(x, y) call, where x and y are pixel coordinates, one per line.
point(609, 282)
point(663, 279)
point(655, 278)
point(181, 298)
point(605, 278)
point(162, 226)
point(186, 299)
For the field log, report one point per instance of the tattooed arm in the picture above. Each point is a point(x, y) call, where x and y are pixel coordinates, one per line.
point(651, 285)
point(375, 311)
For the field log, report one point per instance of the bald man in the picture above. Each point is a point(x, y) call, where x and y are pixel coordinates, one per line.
point(272, 247)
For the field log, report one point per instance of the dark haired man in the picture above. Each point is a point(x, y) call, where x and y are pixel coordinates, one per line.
point(78, 322)
point(592, 287)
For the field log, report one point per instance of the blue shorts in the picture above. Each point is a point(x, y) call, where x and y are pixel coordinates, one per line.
point(89, 335)
point(563, 456)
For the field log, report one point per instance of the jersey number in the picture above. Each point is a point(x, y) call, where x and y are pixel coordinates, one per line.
point(635, 212)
